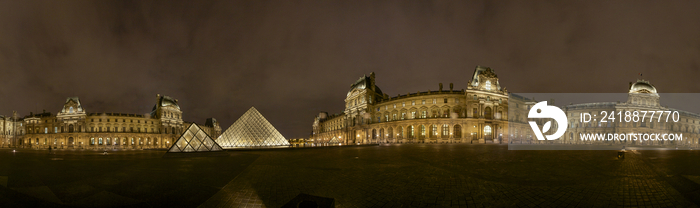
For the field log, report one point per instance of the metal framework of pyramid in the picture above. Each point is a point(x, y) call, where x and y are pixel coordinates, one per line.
point(251, 130)
point(194, 139)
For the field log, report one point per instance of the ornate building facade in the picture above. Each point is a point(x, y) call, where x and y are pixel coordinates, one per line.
point(641, 96)
point(477, 114)
point(73, 127)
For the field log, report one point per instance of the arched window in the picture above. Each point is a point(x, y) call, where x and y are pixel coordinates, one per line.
point(487, 85)
point(400, 134)
point(374, 134)
point(433, 131)
point(410, 132)
point(457, 131)
point(100, 141)
point(445, 131)
point(487, 130)
point(92, 141)
point(487, 113)
point(422, 131)
point(70, 110)
point(391, 133)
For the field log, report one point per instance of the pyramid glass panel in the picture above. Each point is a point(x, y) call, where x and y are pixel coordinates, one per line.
point(192, 139)
point(188, 148)
point(251, 130)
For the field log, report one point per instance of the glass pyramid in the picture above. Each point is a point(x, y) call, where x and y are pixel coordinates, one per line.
point(334, 141)
point(251, 130)
point(194, 139)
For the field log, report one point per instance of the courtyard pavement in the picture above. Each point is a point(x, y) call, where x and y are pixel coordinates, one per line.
point(413, 175)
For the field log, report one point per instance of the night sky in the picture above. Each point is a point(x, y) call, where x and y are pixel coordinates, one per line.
point(292, 59)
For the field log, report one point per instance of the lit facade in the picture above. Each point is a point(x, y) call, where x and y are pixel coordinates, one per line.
point(477, 114)
point(642, 96)
point(73, 127)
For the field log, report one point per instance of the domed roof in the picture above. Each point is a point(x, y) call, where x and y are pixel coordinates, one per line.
point(642, 86)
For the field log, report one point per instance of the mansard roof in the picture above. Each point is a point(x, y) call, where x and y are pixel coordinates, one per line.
point(362, 83)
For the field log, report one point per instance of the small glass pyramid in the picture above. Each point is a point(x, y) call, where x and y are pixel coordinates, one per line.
point(194, 139)
point(251, 130)
point(334, 141)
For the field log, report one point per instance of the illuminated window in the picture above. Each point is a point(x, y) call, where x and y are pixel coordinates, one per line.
point(487, 85)
point(92, 141)
point(70, 110)
point(423, 102)
point(445, 130)
point(100, 141)
point(423, 114)
point(413, 102)
point(403, 104)
point(422, 131)
point(46, 130)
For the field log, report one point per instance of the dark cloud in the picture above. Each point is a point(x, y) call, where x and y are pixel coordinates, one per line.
point(291, 59)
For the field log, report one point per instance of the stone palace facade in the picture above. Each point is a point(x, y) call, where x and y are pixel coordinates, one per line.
point(74, 127)
point(477, 114)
